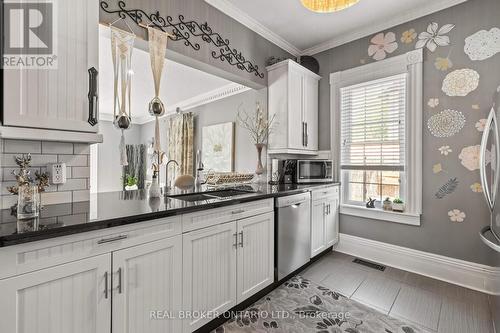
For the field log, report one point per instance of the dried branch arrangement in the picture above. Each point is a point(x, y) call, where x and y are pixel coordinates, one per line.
point(23, 175)
point(257, 124)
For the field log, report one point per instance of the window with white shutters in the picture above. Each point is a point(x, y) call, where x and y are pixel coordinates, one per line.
point(372, 151)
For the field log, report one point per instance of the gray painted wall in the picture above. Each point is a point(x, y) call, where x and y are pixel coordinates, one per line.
point(252, 46)
point(437, 234)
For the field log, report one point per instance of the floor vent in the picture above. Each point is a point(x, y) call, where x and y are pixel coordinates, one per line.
point(373, 265)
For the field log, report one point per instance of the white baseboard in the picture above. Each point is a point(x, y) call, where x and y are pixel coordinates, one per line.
point(463, 273)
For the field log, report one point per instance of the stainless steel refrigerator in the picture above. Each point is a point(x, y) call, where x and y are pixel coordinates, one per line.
point(490, 179)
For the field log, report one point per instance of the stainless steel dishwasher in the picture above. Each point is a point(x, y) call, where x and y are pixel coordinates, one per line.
point(293, 233)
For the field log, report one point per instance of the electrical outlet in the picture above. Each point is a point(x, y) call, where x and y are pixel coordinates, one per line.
point(57, 173)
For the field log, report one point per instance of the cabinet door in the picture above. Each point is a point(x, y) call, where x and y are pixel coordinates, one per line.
point(66, 298)
point(255, 262)
point(147, 287)
point(332, 221)
point(295, 110)
point(318, 227)
point(209, 272)
point(311, 112)
point(57, 98)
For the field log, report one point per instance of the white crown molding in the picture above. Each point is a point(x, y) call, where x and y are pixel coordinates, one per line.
point(374, 28)
point(234, 12)
point(231, 10)
point(463, 273)
point(190, 103)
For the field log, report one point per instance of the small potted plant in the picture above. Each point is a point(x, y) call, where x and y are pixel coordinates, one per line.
point(130, 183)
point(387, 205)
point(398, 205)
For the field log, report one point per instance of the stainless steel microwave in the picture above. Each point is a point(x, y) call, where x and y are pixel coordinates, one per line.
point(313, 171)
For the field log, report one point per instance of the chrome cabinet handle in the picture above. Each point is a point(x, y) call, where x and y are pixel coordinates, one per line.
point(241, 238)
point(238, 211)
point(119, 280)
point(93, 97)
point(303, 134)
point(307, 135)
point(111, 239)
point(106, 285)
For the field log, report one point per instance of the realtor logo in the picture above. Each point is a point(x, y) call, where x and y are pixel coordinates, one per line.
point(29, 34)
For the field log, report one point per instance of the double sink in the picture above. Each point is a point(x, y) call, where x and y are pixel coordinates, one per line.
point(225, 194)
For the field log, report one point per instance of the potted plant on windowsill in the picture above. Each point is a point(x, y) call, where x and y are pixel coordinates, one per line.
point(130, 183)
point(398, 205)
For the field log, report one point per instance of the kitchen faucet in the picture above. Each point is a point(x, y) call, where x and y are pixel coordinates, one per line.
point(167, 186)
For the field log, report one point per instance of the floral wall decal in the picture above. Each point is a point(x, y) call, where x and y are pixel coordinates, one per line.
point(481, 124)
point(437, 168)
point(460, 82)
point(483, 44)
point(469, 157)
point(443, 64)
point(434, 36)
point(476, 188)
point(408, 36)
point(381, 45)
point(456, 215)
point(446, 123)
point(445, 150)
point(448, 188)
point(433, 102)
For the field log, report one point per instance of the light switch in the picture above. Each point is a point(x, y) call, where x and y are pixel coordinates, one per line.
point(57, 173)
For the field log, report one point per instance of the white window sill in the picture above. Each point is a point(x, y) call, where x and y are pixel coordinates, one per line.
point(379, 214)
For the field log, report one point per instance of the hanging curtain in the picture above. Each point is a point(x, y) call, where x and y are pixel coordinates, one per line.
point(136, 155)
point(181, 144)
point(122, 44)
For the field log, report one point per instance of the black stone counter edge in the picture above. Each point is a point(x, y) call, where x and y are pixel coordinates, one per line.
point(27, 237)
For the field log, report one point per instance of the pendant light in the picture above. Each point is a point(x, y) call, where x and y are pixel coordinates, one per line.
point(327, 6)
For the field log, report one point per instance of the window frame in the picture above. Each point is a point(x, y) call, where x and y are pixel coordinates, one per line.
point(410, 63)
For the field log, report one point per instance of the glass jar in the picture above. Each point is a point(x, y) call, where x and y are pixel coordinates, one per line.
point(28, 202)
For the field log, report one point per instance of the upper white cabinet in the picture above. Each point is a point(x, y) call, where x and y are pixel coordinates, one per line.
point(74, 297)
point(293, 101)
point(60, 98)
point(324, 219)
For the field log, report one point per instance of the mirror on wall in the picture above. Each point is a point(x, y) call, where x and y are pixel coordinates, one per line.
point(201, 115)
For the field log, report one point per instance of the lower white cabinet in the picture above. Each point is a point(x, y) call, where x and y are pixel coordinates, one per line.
point(255, 265)
point(147, 293)
point(74, 297)
point(224, 265)
point(324, 220)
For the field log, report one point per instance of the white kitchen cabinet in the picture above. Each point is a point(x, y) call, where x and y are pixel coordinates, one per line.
point(74, 297)
point(324, 219)
point(147, 293)
point(255, 264)
point(293, 102)
point(58, 98)
point(209, 272)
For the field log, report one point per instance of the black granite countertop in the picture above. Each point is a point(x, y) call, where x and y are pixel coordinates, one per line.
point(106, 210)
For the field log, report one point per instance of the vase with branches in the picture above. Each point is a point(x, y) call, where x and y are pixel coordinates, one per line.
point(259, 126)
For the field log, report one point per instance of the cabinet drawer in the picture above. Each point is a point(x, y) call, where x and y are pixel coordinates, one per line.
point(209, 217)
point(325, 192)
point(23, 258)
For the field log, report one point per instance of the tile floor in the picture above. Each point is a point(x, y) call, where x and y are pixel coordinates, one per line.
point(436, 305)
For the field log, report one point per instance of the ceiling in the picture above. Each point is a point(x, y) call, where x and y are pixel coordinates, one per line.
point(299, 31)
point(180, 84)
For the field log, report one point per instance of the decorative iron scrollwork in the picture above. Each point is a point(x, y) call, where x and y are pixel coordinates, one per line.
point(184, 31)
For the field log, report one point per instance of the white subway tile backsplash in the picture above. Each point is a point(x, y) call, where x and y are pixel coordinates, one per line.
point(80, 172)
point(36, 160)
point(81, 149)
point(8, 201)
point(73, 184)
point(73, 160)
point(22, 146)
point(55, 197)
point(7, 174)
point(57, 148)
point(79, 196)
